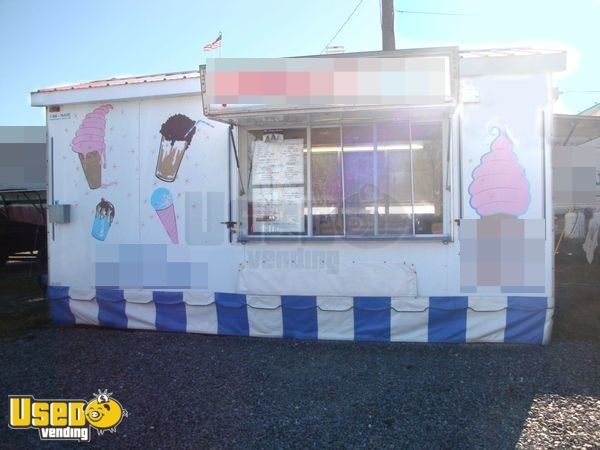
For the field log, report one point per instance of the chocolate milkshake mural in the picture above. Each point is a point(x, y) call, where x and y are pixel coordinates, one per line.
point(162, 202)
point(89, 144)
point(177, 133)
point(105, 214)
point(500, 187)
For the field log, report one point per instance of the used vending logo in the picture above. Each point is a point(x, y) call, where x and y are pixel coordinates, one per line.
point(66, 419)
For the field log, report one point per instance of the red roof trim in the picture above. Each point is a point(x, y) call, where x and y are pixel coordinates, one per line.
point(124, 81)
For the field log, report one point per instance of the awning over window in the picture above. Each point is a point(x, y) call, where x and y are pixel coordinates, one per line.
point(320, 90)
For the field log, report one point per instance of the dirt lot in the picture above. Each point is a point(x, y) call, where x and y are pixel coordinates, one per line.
point(22, 304)
point(195, 391)
point(577, 291)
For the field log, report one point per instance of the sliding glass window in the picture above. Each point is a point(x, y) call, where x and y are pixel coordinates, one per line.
point(366, 180)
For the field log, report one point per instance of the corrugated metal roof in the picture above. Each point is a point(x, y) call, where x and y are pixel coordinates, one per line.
point(509, 51)
point(591, 111)
point(575, 129)
point(125, 80)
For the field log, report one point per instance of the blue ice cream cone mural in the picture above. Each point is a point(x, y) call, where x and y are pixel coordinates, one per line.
point(105, 213)
point(162, 202)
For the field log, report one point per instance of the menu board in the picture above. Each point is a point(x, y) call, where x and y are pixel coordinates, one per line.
point(278, 210)
point(278, 186)
point(278, 162)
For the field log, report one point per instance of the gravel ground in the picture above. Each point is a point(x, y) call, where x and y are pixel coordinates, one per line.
point(194, 391)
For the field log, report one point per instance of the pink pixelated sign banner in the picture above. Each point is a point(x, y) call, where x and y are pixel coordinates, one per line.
point(411, 80)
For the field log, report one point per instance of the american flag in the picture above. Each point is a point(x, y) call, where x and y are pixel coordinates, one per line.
point(214, 44)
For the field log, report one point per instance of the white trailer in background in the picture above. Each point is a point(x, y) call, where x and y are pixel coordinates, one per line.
point(427, 221)
point(576, 174)
point(23, 165)
point(23, 172)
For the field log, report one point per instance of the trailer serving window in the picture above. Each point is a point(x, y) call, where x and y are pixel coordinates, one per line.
point(384, 179)
point(338, 146)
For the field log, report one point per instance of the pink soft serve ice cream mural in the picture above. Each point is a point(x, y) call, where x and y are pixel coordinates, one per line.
point(499, 186)
point(89, 144)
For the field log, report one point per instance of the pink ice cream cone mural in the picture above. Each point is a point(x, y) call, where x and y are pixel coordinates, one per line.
point(499, 185)
point(89, 144)
point(162, 202)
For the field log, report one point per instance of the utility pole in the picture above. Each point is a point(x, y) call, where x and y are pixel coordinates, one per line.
point(388, 40)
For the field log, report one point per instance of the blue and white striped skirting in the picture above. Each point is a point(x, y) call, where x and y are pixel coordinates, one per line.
point(453, 319)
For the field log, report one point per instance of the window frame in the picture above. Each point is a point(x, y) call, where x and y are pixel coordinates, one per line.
point(243, 196)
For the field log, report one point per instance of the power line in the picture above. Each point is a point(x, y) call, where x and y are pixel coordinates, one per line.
point(433, 13)
point(343, 25)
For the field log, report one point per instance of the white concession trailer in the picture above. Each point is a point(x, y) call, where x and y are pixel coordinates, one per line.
point(428, 219)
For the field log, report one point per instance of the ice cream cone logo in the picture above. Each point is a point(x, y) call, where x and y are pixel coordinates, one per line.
point(177, 133)
point(89, 144)
point(499, 185)
point(162, 202)
point(105, 214)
